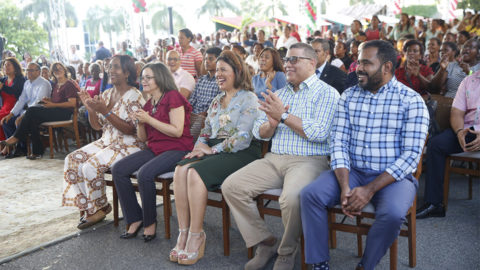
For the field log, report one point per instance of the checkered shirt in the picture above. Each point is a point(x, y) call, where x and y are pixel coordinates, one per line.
point(315, 103)
point(205, 90)
point(381, 132)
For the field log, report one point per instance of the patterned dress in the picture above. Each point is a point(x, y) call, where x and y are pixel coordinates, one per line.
point(84, 185)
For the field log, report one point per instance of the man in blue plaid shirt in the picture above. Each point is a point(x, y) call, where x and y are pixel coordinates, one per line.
point(377, 140)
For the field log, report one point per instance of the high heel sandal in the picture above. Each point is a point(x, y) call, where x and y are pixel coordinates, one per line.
point(176, 251)
point(127, 235)
point(189, 258)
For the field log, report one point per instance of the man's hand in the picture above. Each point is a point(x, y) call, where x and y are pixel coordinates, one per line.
point(272, 106)
point(358, 198)
point(6, 118)
point(344, 202)
point(18, 120)
point(473, 145)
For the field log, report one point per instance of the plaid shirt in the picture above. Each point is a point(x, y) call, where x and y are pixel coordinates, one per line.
point(203, 93)
point(381, 132)
point(315, 103)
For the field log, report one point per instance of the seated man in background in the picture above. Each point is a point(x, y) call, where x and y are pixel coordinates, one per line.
point(377, 140)
point(298, 119)
point(34, 90)
point(184, 80)
point(464, 136)
point(205, 90)
point(325, 71)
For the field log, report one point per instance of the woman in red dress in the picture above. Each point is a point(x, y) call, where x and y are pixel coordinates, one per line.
point(11, 87)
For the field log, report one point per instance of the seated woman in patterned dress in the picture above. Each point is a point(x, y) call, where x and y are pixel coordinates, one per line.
point(113, 111)
point(164, 123)
point(224, 146)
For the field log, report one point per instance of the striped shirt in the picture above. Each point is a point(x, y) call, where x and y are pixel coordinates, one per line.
point(188, 59)
point(315, 103)
point(385, 131)
point(205, 90)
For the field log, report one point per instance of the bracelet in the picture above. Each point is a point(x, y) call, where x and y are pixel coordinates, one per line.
point(458, 130)
point(106, 115)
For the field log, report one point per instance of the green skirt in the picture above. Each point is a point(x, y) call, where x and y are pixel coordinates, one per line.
point(214, 169)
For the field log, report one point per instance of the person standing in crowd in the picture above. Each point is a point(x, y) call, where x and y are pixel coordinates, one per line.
point(11, 87)
point(124, 50)
point(463, 136)
point(205, 90)
point(74, 59)
point(375, 31)
point(286, 40)
point(224, 146)
point(326, 72)
point(92, 86)
point(57, 108)
point(402, 28)
point(86, 75)
point(27, 59)
point(113, 113)
point(271, 76)
point(35, 89)
point(297, 118)
point(101, 52)
point(262, 40)
point(433, 31)
point(412, 72)
point(163, 124)
point(450, 74)
point(183, 79)
point(190, 58)
point(372, 158)
point(462, 37)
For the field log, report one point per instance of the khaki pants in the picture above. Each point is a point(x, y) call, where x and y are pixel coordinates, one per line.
point(289, 172)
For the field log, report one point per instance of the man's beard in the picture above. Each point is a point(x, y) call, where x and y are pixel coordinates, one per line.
point(373, 82)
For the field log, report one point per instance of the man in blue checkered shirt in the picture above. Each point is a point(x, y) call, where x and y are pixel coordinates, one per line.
point(205, 90)
point(298, 119)
point(377, 140)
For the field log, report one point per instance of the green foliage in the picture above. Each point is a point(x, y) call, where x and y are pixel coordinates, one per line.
point(420, 10)
point(110, 19)
point(160, 20)
point(216, 8)
point(23, 34)
point(473, 4)
point(354, 2)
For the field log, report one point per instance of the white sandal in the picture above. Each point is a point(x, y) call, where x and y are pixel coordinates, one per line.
point(176, 251)
point(189, 258)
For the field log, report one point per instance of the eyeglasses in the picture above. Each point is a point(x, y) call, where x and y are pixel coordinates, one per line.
point(294, 59)
point(146, 78)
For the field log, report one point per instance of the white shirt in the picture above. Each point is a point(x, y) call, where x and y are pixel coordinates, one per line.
point(183, 79)
point(252, 62)
point(283, 42)
point(32, 93)
point(337, 63)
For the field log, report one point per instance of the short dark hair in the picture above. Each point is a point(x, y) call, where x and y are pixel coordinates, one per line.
point(413, 42)
point(307, 50)
point(214, 50)
point(240, 48)
point(162, 76)
point(73, 72)
point(187, 33)
point(242, 79)
point(55, 68)
point(277, 60)
point(439, 42)
point(452, 46)
point(128, 65)
point(385, 52)
point(325, 44)
point(465, 34)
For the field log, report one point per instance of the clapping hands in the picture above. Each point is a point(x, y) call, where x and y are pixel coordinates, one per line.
point(273, 107)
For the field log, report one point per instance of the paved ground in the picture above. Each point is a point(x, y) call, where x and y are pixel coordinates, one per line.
point(446, 243)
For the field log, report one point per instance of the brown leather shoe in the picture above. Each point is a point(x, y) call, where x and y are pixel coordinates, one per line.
point(263, 254)
point(95, 218)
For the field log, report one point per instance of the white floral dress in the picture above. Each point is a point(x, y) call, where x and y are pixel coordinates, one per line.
point(84, 185)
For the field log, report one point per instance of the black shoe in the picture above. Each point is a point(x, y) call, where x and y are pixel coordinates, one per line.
point(430, 210)
point(127, 235)
point(150, 237)
point(15, 153)
point(34, 157)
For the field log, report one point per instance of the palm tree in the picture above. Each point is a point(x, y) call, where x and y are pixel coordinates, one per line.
point(216, 7)
point(39, 8)
point(160, 20)
point(270, 8)
point(111, 20)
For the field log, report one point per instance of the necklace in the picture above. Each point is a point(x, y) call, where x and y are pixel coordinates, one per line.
point(155, 106)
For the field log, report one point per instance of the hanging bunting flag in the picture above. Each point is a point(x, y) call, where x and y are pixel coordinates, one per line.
point(139, 6)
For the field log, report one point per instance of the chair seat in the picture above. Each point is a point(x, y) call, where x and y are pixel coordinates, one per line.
point(162, 176)
point(55, 123)
point(475, 154)
point(274, 192)
point(369, 208)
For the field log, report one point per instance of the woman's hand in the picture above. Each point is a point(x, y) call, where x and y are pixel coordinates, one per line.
point(142, 116)
point(200, 150)
point(268, 81)
point(47, 103)
point(97, 104)
point(444, 62)
point(413, 67)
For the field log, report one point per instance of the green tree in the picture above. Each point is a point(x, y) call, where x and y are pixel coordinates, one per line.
point(160, 20)
point(23, 34)
point(273, 8)
point(354, 2)
point(40, 8)
point(473, 4)
point(419, 10)
point(111, 20)
point(216, 8)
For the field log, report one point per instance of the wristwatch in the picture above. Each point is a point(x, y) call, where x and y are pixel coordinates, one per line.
point(284, 117)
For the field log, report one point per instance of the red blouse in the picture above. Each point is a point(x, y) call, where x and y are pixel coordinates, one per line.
point(414, 82)
point(159, 142)
point(68, 90)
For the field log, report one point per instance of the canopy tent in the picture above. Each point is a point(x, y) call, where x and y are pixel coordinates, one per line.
point(361, 11)
point(230, 23)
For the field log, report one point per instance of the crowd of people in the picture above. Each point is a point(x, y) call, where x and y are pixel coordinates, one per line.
point(345, 114)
